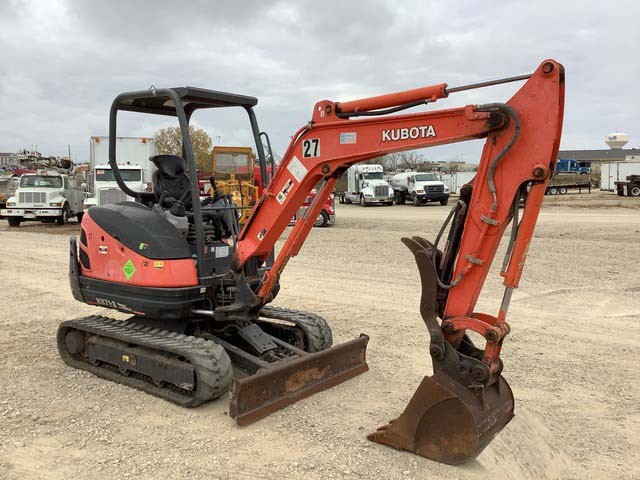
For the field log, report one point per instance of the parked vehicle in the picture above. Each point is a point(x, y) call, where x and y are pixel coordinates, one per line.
point(8, 186)
point(568, 165)
point(132, 156)
point(612, 172)
point(327, 215)
point(419, 188)
point(631, 187)
point(366, 186)
point(47, 197)
point(561, 184)
point(456, 180)
point(106, 189)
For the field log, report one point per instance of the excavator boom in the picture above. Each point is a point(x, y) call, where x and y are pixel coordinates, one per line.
point(456, 412)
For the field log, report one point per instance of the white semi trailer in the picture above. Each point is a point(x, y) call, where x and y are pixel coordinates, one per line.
point(612, 172)
point(366, 186)
point(132, 156)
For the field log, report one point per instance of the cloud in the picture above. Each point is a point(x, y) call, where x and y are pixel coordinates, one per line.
point(64, 61)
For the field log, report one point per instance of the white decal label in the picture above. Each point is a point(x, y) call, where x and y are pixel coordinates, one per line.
point(348, 138)
point(262, 233)
point(311, 148)
point(282, 195)
point(103, 249)
point(297, 169)
point(222, 252)
point(395, 134)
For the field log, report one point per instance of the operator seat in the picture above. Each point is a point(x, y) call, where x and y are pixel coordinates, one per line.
point(170, 180)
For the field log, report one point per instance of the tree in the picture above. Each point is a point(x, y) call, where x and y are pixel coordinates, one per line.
point(408, 160)
point(169, 142)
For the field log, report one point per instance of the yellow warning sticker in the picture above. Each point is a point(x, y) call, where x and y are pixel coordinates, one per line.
point(158, 264)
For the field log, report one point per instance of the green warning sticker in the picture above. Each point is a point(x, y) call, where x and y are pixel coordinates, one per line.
point(129, 269)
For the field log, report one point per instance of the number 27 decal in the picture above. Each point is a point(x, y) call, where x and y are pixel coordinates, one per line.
point(311, 148)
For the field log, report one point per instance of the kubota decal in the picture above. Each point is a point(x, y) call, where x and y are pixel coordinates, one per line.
point(395, 134)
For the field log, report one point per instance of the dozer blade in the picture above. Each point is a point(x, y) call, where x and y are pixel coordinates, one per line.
point(447, 422)
point(288, 381)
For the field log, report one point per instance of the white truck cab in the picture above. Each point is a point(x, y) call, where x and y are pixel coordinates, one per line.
point(366, 185)
point(47, 197)
point(133, 156)
point(106, 190)
point(419, 188)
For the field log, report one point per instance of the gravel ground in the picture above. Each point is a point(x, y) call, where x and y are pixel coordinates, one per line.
point(571, 360)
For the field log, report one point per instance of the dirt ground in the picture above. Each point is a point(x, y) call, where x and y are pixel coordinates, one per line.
point(571, 360)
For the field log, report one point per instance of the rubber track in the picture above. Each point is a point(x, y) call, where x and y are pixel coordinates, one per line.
point(316, 328)
point(210, 361)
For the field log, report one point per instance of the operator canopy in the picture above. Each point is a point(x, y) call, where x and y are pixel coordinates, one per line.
point(192, 98)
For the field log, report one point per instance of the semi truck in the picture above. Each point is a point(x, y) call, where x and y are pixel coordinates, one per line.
point(47, 196)
point(630, 187)
point(366, 185)
point(420, 188)
point(569, 165)
point(132, 156)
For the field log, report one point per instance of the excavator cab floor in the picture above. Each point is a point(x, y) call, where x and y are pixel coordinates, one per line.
point(447, 422)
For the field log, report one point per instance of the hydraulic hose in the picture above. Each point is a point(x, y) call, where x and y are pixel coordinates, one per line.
point(509, 111)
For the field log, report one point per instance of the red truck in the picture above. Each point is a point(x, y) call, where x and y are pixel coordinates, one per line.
point(327, 215)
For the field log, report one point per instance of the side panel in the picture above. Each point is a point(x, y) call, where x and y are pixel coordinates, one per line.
point(105, 258)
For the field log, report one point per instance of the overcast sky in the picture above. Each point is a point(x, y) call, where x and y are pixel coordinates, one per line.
point(62, 62)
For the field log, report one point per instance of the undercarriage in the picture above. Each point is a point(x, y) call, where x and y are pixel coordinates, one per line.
point(190, 369)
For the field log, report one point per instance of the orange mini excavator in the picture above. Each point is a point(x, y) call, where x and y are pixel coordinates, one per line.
point(198, 291)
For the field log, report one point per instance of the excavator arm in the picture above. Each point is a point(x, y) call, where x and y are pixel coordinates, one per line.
point(457, 411)
point(333, 141)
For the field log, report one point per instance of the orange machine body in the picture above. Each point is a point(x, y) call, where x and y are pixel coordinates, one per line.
point(105, 258)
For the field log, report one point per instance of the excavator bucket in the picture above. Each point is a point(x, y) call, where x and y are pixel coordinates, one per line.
point(450, 418)
point(447, 422)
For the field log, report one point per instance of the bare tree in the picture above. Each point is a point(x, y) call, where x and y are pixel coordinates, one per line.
point(409, 160)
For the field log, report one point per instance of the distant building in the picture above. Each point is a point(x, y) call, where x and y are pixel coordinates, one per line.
point(7, 159)
point(599, 156)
